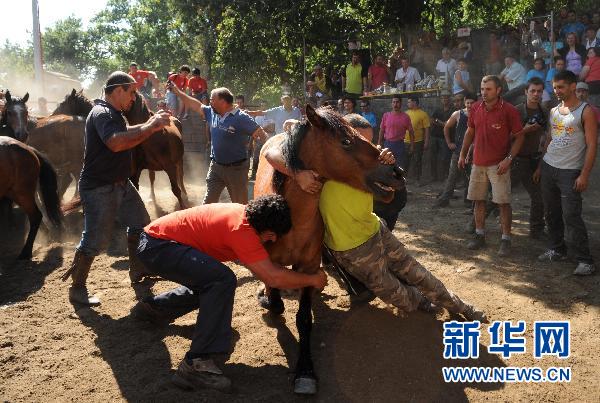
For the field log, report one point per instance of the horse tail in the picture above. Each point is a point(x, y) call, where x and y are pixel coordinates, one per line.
point(49, 189)
point(71, 205)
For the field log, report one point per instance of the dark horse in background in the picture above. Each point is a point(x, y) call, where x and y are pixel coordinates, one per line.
point(163, 151)
point(326, 144)
point(59, 137)
point(21, 167)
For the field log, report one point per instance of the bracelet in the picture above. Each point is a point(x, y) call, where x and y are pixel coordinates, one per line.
point(509, 157)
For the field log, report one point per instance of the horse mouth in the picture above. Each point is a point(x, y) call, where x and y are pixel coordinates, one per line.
point(383, 187)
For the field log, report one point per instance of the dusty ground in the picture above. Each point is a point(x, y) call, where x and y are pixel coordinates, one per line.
point(51, 352)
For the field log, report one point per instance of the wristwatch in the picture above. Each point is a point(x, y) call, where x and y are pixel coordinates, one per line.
point(509, 157)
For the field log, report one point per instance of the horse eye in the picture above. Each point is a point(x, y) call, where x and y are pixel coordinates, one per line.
point(346, 142)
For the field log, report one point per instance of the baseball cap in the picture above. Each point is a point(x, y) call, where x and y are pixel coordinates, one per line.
point(582, 86)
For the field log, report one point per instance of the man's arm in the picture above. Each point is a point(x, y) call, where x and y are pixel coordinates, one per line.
point(380, 139)
point(343, 83)
point(188, 101)
point(370, 79)
point(450, 123)
point(256, 113)
point(278, 277)
point(364, 84)
point(307, 180)
point(590, 126)
point(135, 135)
point(426, 138)
point(467, 141)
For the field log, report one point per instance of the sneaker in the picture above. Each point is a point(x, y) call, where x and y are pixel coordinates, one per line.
point(471, 313)
point(477, 242)
point(427, 306)
point(584, 269)
point(440, 203)
point(147, 312)
point(551, 256)
point(200, 374)
point(504, 249)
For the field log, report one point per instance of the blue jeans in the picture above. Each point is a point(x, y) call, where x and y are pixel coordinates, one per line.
point(206, 284)
point(397, 148)
point(563, 207)
point(104, 204)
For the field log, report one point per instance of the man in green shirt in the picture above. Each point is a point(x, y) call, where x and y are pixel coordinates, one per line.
point(365, 247)
point(354, 77)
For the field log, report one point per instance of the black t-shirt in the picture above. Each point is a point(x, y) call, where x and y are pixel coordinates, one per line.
point(101, 166)
point(441, 114)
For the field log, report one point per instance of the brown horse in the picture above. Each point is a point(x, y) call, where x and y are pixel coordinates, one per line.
point(162, 151)
point(21, 167)
point(15, 121)
point(326, 144)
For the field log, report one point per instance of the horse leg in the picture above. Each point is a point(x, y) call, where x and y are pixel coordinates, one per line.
point(27, 203)
point(180, 177)
point(172, 172)
point(152, 177)
point(305, 382)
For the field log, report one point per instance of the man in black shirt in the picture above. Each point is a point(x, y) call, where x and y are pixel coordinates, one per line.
point(439, 151)
point(106, 192)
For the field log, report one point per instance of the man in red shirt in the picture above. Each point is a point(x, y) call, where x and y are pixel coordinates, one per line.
point(140, 77)
point(188, 247)
point(181, 81)
point(378, 73)
point(493, 123)
point(197, 85)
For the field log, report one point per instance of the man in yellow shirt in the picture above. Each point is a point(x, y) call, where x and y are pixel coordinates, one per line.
point(420, 123)
point(365, 247)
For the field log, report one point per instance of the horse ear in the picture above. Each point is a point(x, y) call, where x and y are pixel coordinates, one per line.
point(8, 97)
point(25, 98)
point(313, 117)
point(73, 92)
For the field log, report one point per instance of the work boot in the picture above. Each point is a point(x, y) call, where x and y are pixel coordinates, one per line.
point(79, 270)
point(148, 312)
point(200, 374)
point(137, 270)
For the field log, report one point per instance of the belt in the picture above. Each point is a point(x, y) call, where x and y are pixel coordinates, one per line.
point(232, 164)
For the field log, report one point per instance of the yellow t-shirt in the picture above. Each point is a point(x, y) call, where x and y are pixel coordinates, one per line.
point(420, 121)
point(354, 79)
point(348, 216)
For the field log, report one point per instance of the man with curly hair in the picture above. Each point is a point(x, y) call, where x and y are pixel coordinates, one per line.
point(188, 247)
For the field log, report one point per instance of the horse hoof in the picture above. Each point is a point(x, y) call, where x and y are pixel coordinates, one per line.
point(275, 307)
point(305, 386)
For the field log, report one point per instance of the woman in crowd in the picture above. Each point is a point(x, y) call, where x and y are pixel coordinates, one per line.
point(590, 73)
point(573, 53)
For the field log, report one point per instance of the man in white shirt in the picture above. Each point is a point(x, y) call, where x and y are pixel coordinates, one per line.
point(590, 40)
point(447, 66)
point(514, 73)
point(406, 75)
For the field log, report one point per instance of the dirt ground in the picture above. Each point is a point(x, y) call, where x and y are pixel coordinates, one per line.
point(50, 351)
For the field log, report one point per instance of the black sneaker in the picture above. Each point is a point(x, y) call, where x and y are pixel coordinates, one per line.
point(552, 256)
point(200, 374)
point(147, 312)
point(478, 242)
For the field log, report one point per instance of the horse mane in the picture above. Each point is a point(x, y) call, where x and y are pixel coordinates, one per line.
point(82, 105)
point(334, 123)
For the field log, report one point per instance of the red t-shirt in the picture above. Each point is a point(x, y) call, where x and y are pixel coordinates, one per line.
point(140, 76)
point(179, 81)
point(379, 75)
point(197, 85)
point(220, 230)
point(492, 131)
point(594, 74)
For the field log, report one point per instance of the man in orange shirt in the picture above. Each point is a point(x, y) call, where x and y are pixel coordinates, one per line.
point(188, 247)
point(197, 85)
point(140, 77)
point(181, 81)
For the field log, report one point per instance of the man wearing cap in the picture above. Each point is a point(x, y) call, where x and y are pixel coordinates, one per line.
point(230, 133)
point(583, 93)
point(104, 186)
point(140, 77)
point(280, 114)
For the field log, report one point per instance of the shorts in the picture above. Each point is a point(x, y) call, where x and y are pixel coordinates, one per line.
point(482, 176)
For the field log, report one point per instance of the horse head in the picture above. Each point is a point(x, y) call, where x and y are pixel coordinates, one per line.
point(75, 104)
point(139, 112)
point(15, 116)
point(335, 150)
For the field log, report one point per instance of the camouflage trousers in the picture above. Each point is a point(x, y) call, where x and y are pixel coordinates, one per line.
point(384, 266)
